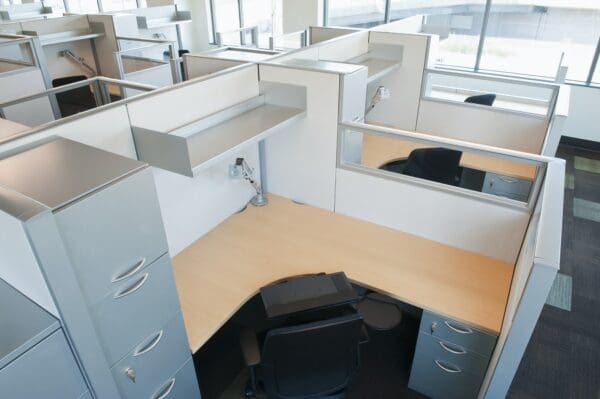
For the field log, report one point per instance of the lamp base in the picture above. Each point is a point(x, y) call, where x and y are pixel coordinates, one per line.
point(259, 200)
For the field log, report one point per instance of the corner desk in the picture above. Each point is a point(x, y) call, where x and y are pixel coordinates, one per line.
point(221, 271)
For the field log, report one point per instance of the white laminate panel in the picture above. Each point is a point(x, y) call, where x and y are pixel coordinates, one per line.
point(23, 83)
point(497, 128)
point(199, 66)
point(183, 104)
point(300, 161)
point(468, 223)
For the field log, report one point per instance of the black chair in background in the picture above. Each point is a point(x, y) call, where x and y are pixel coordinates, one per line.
point(312, 360)
point(75, 100)
point(482, 99)
point(441, 165)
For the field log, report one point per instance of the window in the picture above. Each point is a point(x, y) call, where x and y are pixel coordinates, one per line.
point(596, 76)
point(118, 5)
point(527, 39)
point(356, 13)
point(458, 24)
point(266, 14)
point(226, 14)
point(83, 6)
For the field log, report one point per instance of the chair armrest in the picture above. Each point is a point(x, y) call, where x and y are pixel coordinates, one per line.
point(364, 335)
point(250, 348)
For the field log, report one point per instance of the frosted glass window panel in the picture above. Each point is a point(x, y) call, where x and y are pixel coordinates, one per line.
point(530, 40)
point(356, 13)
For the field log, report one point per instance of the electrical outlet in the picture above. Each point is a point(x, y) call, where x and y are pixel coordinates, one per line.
point(235, 171)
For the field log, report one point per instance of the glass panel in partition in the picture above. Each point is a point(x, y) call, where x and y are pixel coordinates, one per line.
point(457, 22)
point(529, 38)
point(15, 56)
point(356, 13)
point(528, 97)
point(476, 171)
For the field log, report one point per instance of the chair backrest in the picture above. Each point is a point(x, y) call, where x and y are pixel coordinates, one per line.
point(437, 164)
point(311, 360)
point(482, 99)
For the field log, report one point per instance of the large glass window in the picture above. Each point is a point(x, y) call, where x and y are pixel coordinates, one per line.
point(226, 14)
point(117, 5)
point(266, 14)
point(458, 24)
point(529, 38)
point(356, 13)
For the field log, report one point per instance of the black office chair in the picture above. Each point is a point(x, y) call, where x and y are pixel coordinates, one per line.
point(482, 99)
point(75, 100)
point(441, 165)
point(312, 360)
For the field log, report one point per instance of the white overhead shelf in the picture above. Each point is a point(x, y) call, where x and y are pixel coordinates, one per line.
point(192, 148)
point(65, 37)
point(178, 18)
point(378, 67)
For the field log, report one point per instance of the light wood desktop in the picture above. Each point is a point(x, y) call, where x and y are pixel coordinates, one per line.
point(378, 150)
point(9, 128)
point(218, 273)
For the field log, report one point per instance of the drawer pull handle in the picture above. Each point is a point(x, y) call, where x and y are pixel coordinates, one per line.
point(130, 290)
point(457, 329)
point(149, 346)
point(448, 368)
point(130, 272)
point(164, 392)
point(457, 351)
point(508, 179)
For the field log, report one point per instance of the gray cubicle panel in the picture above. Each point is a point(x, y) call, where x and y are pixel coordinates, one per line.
point(35, 358)
point(93, 221)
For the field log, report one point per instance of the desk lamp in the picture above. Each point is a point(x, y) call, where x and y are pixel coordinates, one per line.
point(247, 173)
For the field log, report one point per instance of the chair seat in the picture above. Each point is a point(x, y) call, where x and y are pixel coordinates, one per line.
point(379, 313)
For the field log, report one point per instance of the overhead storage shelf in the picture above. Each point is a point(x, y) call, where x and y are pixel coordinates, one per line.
point(177, 18)
point(192, 148)
point(378, 67)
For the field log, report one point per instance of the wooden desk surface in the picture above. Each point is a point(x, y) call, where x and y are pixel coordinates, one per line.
point(378, 150)
point(218, 273)
point(9, 128)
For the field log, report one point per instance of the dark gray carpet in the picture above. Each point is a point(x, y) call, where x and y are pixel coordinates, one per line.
point(563, 356)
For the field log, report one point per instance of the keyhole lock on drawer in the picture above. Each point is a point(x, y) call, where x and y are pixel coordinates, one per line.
point(434, 325)
point(130, 373)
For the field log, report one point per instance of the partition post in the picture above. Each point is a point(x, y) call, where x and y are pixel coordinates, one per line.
point(40, 59)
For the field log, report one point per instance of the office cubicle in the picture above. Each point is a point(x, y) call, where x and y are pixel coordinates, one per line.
point(23, 71)
point(312, 158)
point(222, 58)
point(31, 10)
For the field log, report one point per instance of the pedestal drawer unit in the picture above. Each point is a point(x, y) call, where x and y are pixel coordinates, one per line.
point(450, 359)
point(94, 223)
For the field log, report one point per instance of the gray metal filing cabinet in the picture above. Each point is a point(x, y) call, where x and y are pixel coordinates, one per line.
point(102, 246)
point(506, 186)
point(35, 358)
point(450, 359)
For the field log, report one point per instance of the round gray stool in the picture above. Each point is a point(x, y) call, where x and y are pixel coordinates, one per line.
point(379, 312)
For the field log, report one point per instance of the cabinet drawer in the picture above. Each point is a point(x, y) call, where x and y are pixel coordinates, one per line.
point(183, 385)
point(156, 358)
point(112, 233)
point(440, 379)
point(505, 186)
point(458, 333)
point(135, 308)
point(446, 351)
point(47, 370)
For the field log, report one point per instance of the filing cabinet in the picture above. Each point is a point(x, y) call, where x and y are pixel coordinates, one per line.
point(35, 358)
point(451, 358)
point(103, 233)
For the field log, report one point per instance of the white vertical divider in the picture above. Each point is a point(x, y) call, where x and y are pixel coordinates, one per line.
point(404, 82)
point(535, 270)
point(191, 207)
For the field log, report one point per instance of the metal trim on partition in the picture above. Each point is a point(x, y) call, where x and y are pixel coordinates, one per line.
point(537, 160)
point(594, 65)
point(482, 34)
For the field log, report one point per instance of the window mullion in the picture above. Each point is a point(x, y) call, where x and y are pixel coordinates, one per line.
point(482, 35)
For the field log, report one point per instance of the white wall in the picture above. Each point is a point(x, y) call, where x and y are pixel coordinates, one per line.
point(195, 34)
point(584, 119)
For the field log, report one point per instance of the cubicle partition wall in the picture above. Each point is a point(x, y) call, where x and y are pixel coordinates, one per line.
point(27, 10)
point(222, 58)
point(68, 43)
point(318, 34)
point(519, 118)
point(521, 231)
point(23, 72)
